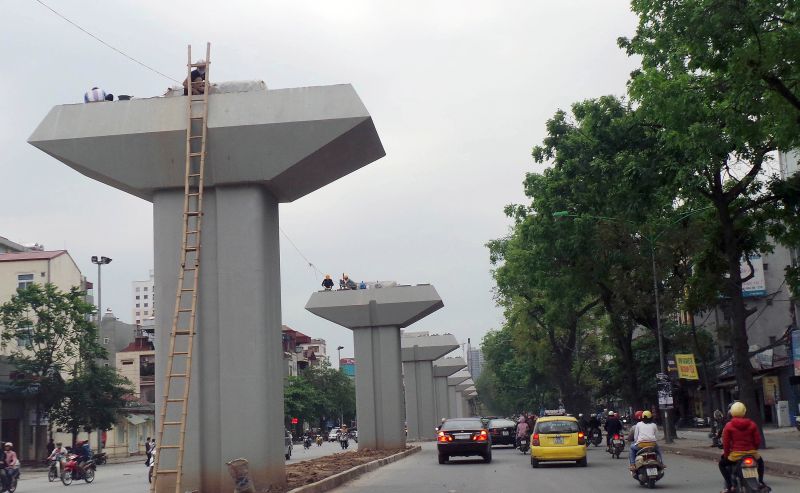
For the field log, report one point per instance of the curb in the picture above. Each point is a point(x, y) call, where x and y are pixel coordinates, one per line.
point(339, 479)
point(773, 467)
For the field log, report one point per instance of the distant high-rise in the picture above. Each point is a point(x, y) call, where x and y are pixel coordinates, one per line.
point(144, 306)
point(474, 362)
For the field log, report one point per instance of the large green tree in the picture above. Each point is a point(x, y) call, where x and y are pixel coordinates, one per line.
point(718, 79)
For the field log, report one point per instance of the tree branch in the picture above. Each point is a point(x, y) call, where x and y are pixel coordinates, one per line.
point(778, 86)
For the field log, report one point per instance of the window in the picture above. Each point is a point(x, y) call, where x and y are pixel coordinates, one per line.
point(138, 314)
point(145, 305)
point(25, 335)
point(137, 290)
point(145, 313)
point(556, 427)
point(137, 305)
point(145, 288)
point(145, 296)
point(24, 280)
point(106, 340)
point(137, 296)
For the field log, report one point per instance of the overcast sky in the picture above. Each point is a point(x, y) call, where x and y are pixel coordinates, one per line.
point(459, 92)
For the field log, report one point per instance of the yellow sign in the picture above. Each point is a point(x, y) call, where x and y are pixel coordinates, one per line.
point(686, 367)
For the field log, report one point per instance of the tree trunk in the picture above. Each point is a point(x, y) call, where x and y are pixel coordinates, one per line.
point(739, 313)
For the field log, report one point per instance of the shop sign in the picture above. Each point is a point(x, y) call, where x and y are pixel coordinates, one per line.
point(664, 387)
point(686, 366)
point(755, 286)
point(771, 386)
point(796, 351)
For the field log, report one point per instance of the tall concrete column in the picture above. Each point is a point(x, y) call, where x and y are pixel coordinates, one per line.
point(376, 317)
point(453, 381)
point(418, 352)
point(461, 388)
point(443, 368)
point(264, 148)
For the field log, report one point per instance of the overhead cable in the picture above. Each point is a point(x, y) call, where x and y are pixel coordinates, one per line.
point(148, 67)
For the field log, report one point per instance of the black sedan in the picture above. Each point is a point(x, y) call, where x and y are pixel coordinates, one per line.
point(463, 437)
point(503, 431)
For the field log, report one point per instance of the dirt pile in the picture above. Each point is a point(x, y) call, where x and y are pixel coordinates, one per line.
point(311, 471)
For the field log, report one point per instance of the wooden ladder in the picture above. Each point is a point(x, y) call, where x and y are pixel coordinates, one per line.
point(175, 403)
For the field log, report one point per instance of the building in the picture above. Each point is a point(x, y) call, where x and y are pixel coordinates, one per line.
point(137, 363)
point(348, 367)
point(143, 300)
point(19, 269)
point(317, 347)
point(115, 335)
point(301, 351)
point(474, 361)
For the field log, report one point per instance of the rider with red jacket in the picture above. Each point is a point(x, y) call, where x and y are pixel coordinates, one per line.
point(740, 437)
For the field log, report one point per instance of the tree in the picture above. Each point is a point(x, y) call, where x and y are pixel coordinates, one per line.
point(319, 392)
point(724, 108)
point(46, 330)
point(94, 399)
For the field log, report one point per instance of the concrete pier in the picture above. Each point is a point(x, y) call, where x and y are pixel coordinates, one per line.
point(376, 317)
point(453, 395)
point(419, 350)
point(264, 148)
point(443, 368)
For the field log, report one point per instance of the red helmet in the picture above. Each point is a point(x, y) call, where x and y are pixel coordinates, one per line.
point(638, 415)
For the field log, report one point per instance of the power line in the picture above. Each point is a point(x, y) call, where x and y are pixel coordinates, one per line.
point(310, 264)
point(106, 44)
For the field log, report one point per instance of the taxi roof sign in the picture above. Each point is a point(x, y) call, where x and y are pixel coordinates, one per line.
point(555, 412)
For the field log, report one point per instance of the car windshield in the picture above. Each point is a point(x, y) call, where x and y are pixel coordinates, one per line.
point(551, 427)
point(501, 423)
point(462, 424)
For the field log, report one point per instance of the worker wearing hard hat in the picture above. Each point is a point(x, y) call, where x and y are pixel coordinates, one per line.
point(197, 75)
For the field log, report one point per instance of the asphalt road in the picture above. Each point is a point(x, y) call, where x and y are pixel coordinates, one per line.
point(511, 472)
point(300, 454)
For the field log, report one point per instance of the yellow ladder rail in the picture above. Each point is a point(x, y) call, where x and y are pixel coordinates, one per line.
point(177, 379)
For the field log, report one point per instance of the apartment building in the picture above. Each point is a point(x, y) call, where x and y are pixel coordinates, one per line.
point(143, 300)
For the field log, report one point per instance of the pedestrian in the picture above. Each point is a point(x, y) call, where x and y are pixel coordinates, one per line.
point(148, 449)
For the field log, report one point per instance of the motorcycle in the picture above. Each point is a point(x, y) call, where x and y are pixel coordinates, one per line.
point(307, 442)
point(344, 440)
point(648, 469)
point(524, 446)
point(100, 458)
point(52, 470)
point(72, 471)
point(745, 476)
point(12, 483)
point(595, 437)
point(617, 446)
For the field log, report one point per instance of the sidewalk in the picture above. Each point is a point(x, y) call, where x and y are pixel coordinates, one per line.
point(782, 457)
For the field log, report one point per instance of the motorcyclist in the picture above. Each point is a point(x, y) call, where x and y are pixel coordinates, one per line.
point(84, 453)
point(613, 426)
point(11, 467)
point(645, 431)
point(740, 437)
point(594, 426)
point(583, 423)
point(522, 429)
point(59, 455)
point(637, 416)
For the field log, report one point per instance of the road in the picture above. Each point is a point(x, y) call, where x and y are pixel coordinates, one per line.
point(511, 472)
point(300, 454)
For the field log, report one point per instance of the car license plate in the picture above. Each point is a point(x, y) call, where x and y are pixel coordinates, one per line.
point(462, 436)
point(558, 440)
point(652, 471)
point(749, 472)
point(505, 433)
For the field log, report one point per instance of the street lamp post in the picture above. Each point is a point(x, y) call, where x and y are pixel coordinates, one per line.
point(340, 356)
point(341, 411)
point(99, 261)
point(659, 335)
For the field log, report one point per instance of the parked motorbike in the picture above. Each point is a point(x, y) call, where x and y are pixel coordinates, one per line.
point(617, 445)
point(745, 476)
point(307, 442)
point(595, 436)
point(648, 469)
point(72, 471)
point(100, 458)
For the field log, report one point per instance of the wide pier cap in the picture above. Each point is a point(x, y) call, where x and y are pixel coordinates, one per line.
point(419, 346)
point(396, 306)
point(444, 367)
point(461, 387)
point(458, 377)
point(292, 141)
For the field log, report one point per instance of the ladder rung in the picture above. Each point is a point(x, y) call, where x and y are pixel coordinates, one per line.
point(171, 423)
point(195, 154)
point(204, 64)
point(166, 471)
point(180, 353)
point(193, 175)
point(191, 248)
point(169, 446)
point(174, 400)
point(179, 375)
point(192, 213)
point(196, 117)
point(182, 333)
point(195, 136)
point(181, 310)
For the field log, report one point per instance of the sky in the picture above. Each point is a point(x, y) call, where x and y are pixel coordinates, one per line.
point(459, 92)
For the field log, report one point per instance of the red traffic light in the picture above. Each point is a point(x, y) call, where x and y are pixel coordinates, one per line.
point(295, 421)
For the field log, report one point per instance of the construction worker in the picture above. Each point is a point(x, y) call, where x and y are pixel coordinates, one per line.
point(197, 75)
point(327, 283)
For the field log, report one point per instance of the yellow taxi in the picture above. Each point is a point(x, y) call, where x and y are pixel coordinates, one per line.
point(557, 437)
